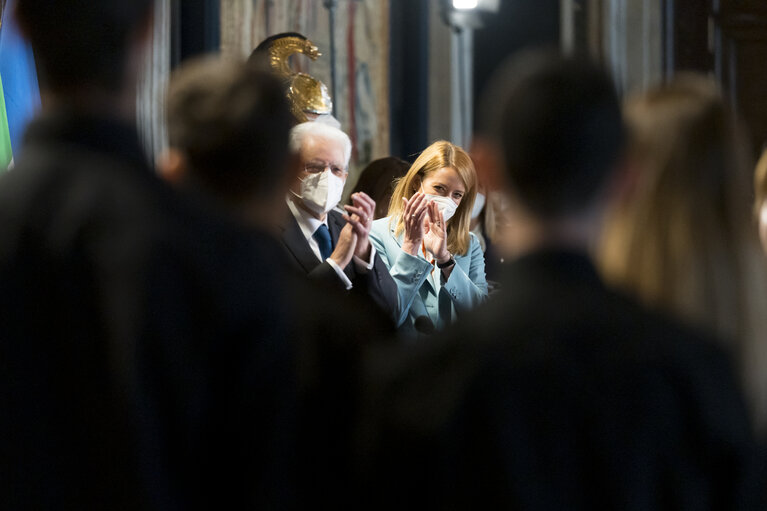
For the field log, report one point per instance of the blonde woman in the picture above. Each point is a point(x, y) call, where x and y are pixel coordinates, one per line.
point(682, 237)
point(437, 264)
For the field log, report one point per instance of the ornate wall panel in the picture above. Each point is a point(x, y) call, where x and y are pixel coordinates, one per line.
point(362, 58)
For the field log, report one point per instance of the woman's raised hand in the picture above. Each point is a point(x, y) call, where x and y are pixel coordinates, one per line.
point(413, 215)
point(435, 237)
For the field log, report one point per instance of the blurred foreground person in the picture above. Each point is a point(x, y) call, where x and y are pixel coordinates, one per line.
point(75, 243)
point(131, 357)
point(681, 234)
point(328, 245)
point(558, 393)
point(228, 126)
point(425, 241)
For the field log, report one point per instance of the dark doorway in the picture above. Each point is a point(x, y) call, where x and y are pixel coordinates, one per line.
point(195, 28)
point(408, 78)
point(517, 25)
point(727, 38)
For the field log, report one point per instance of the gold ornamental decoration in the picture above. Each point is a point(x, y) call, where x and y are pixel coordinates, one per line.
point(308, 96)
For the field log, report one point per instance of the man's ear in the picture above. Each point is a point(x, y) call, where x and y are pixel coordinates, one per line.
point(172, 166)
point(488, 161)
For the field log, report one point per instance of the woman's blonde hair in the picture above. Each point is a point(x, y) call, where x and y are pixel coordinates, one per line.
point(439, 155)
point(683, 237)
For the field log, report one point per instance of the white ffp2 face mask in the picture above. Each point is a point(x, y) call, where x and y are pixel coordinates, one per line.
point(446, 205)
point(321, 192)
point(479, 203)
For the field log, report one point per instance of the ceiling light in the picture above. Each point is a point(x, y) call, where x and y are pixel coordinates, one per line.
point(464, 4)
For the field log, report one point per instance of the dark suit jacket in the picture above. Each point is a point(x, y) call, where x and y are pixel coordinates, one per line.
point(145, 362)
point(376, 285)
point(559, 394)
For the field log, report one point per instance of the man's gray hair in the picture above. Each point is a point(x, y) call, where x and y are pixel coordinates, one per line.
point(322, 130)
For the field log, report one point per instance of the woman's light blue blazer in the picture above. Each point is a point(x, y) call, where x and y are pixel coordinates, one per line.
point(465, 288)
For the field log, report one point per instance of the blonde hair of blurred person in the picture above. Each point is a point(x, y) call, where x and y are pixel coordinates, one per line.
point(760, 204)
point(681, 236)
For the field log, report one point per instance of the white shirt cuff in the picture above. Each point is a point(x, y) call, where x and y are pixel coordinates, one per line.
point(340, 273)
point(363, 266)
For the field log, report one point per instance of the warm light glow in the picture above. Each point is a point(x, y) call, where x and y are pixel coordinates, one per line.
point(465, 4)
point(763, 225)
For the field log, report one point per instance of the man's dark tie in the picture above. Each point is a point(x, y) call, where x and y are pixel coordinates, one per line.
point(322, 236)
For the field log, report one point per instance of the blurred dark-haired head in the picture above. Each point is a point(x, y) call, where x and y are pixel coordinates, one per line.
point(557, 122)
point(84, 44)
point(377, 180)
point(230, 122)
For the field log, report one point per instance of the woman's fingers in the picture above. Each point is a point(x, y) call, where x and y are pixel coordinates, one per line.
point(415, 202)
point(414, 206)
point(442, 223)
point(421, 215)
point(420, 211)
point(415, 214)
point(410, 205)
point(434, 213)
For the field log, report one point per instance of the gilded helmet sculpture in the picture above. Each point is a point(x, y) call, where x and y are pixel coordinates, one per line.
point(308, 96)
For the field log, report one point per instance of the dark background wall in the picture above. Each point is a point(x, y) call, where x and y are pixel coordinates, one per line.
point(727, 39)
point(408, 76)
point(195, 28)
point(519, 24)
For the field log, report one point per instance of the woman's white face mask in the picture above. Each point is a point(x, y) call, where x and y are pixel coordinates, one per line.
point(479, 204)
point(446, 205)
point(321, 192)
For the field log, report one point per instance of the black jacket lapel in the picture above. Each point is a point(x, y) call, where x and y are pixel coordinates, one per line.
point(296, 244)
point(335, 223)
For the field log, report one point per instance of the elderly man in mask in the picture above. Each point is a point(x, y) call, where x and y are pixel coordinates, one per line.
point(327, 244)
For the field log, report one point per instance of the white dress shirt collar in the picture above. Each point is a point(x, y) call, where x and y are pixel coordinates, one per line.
point(306, 221)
